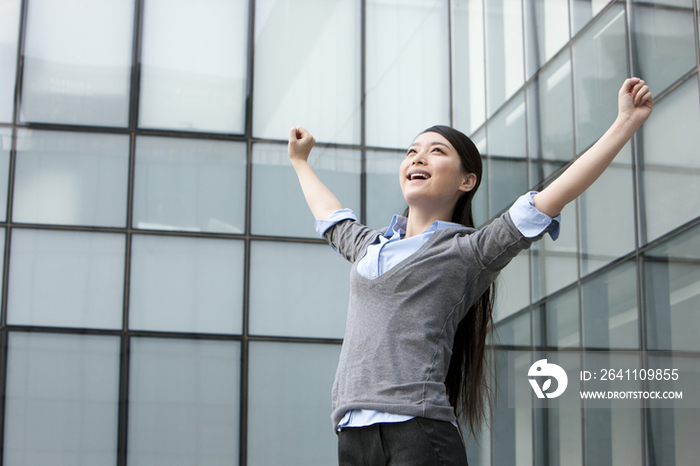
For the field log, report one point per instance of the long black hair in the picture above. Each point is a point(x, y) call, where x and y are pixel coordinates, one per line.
point(467, 376)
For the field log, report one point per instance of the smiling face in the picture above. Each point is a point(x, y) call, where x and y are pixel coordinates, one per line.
point(431, 175)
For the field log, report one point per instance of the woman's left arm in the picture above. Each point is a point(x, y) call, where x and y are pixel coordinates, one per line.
point(634, 107)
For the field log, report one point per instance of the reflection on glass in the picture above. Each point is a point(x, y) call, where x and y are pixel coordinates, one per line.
point(609, 309)
point(672, 293)
point(77, 62)
point(289, 403)
point(278, 205)
point(546, 31)
point(407, 77)
point(5, 148)
point(9, 33)
point(311, 290)
point(614, 436)
point(71, 178)
point(506, 131)
point(507, 182)
point(468, 73)
point(607, 207)
point(515, 331)
point(184, 402)
point(321, 86)
point(554, 263)
point(582, 11)
point(193, 65)
point(66, 279)
point(550, 119)
point(675, 432)
point(600, 67)
point(505, 71)
point(512, 426)
point(189, 184)
point(506, 138)
point(383, 197)
point(61, 399)
point(561, 321)
point(664, 41)
point(186, 284)
point(480, 209)
point(670, 162)
point(513, 287)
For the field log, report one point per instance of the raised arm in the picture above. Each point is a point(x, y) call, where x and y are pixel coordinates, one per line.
point(634, 107)
point(320, 199)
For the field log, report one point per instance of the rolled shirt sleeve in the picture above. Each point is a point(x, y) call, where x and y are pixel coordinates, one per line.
point(530, 221)
point(337, 216)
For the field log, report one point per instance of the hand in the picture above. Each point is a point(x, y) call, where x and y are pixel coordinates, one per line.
point(300, 144)
point(635, 102)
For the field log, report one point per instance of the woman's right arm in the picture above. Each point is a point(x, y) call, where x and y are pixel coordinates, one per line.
point(320, 199)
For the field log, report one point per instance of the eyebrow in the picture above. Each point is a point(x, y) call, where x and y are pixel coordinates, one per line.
point(431, 144)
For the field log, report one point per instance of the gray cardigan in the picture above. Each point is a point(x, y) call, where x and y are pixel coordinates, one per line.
point(400, 325)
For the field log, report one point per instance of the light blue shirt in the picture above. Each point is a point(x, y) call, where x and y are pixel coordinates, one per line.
point(392, 249)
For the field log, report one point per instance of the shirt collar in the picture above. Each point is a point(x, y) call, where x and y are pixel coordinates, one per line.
point(398, 226)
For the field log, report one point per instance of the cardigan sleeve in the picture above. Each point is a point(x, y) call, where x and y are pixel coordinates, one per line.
point(350, 239)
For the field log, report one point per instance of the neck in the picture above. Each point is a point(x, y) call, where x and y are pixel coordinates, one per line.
point(420, 219)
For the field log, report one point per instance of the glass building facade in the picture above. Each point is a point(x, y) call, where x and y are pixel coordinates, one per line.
point(165, 299)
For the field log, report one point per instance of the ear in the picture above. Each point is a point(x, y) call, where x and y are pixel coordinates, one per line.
point(468, 182)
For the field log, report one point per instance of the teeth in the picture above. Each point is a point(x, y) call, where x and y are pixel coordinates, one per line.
point(419, 175)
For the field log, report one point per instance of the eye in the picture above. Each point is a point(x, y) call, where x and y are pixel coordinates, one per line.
point(439, 150)
point(410, 151)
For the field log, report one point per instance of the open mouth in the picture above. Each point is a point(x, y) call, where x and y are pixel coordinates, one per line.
point(418, 175)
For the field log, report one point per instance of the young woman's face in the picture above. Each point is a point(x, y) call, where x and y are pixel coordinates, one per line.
point(431, 175)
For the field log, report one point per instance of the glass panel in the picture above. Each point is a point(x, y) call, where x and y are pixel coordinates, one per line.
point(5, 148)
point(561, 317)
point(193, 65)
point(506, 131)
point(77, 62)
point(408, 70)
point(9, 34)
point(192, 185)
point(278, 205)
point(613, 436)
point(505, 71)
point(507, 182)
point(582, 11)
point(311, 290)
point(550, 119)
point(62, 399)
point(512, 426)
point(664, 41)
point(608, 205)
point(71, 178)
point(506, 138)
point(674, 433)
point(289, 404)
point(186, 284)
point(670, 165)
point(184, 401)
point(468, 73)
point(672, 293)
point(66, 279)
point(554, 263)
point(480, 200)
point(321, 86)
point(514, 332)
point(600, 68)
point(513, 287)
point(546, 31)
point(609, 309)
point(562, 437)
point(383, 198)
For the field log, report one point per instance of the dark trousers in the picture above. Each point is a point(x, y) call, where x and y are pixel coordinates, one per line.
point(416, 442)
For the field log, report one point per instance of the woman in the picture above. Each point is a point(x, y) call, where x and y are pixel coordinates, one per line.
point(420, 307)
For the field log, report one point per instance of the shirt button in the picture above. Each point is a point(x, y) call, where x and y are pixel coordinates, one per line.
point(374, 274)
